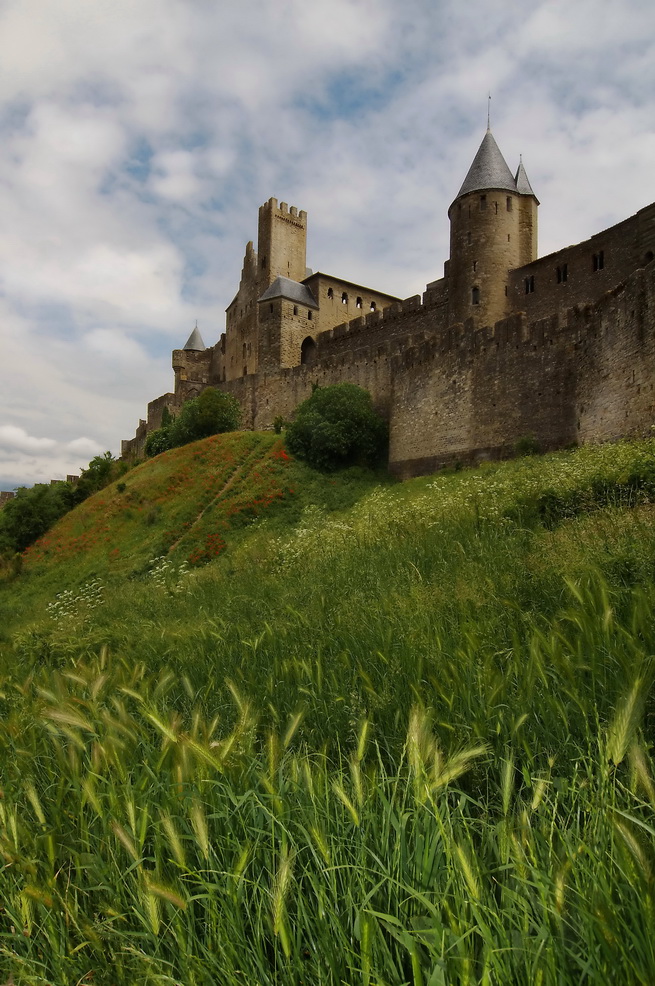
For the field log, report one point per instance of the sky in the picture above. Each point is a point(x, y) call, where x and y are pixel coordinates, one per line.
point(139, 137)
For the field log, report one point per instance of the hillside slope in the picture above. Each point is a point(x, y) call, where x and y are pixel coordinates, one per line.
point(404, 741)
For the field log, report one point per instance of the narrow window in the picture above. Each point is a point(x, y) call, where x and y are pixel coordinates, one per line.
point(344, 298)
point(496, 207)
point(330, 293)
point(244, 350)
point(483, 202)
point(309, 315)
point(508, 237)
point(295, 309)
point(529, 284)
point(373, 306)
point(599, 260)
point(271, 306)
point(505, 290)
point(469, 236)
point(509, 203)
point(358, 303)
point(559, 275)
point(245, 371)
point(475, 296)
point(475, 266)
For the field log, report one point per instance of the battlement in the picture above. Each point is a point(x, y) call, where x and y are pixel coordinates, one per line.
point(284, 210)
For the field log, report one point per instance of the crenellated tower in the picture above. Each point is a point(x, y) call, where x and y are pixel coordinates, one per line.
point(493, 229)
point(282, 243)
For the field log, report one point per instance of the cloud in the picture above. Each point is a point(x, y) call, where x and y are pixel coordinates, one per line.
point(139, 139)
point(12, 437)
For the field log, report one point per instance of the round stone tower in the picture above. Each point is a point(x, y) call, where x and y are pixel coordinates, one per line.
point(493, 229)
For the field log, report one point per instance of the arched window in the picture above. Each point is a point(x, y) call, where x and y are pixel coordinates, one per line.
point(344, 298)
point(358, 303)
point(373, 306)
point(475, 296)
point(598, 260)
point(330, 293)
point(307, 351)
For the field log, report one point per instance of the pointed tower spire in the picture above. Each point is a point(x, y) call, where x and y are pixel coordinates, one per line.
point(489, 169)
point(194, 342)
point(523, 186)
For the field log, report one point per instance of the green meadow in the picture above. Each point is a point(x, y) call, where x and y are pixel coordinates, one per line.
point(264, 726)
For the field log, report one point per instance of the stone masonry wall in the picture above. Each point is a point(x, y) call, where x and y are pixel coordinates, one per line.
point(584, 376)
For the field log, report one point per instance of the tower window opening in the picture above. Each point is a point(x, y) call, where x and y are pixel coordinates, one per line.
point(295, 309)
point(309, 314)
point(562, 273)
point(496, 207)
point(330, 293)
point(599, 260)
point(358, 303)
point(468, 238)
point(648, 256)
point(373, 306)
point(245, 371)
point(529, 284)
point(475, 266)
point(509, 237)
point(509, 203)
point(505, 290)
point(271, 307)
point(475, 296)
point(344, 298)
point(483, 202)
point(244, 350)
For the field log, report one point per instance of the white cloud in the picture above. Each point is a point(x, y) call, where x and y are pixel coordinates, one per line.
point(12, 437)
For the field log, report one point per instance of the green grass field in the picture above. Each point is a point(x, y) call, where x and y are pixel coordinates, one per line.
point(264, 726)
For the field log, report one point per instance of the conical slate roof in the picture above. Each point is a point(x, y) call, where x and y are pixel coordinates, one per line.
point(195, 341)
point(489, 169)
point(523, 186)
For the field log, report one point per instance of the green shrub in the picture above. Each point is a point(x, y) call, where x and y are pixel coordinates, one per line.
point(527, 445)
point(337, 426)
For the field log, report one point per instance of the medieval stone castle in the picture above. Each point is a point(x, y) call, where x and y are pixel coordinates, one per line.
point(504, 345)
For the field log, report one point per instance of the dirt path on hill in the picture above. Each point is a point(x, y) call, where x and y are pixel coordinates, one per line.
point(254, 456)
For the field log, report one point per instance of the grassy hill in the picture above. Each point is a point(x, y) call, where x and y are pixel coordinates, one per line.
point(266, 726)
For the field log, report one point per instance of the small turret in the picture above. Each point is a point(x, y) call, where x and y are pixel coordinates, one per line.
point(194, 342)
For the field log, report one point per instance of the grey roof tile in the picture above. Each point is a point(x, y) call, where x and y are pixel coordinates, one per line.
point(489, 169)
point(284, 287)
point(195, 341)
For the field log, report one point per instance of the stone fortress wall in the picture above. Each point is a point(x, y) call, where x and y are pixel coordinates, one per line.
point(505, 345)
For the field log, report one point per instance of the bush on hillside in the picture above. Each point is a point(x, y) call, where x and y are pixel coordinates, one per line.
point(212, 413)
point(337, 426)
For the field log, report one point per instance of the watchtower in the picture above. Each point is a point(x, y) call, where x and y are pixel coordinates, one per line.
point(493, 229)
point(282, 243)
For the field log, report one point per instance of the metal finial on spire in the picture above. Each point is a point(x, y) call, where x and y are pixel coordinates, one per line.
point(489, 111)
